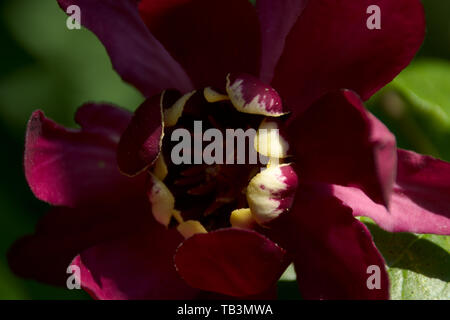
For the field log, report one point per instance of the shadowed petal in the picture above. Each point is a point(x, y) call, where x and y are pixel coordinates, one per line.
point(276, 19)
point(63, 233)
point(339, 142)
point(232, 261)
point(78, 167)
point(135, 54)
point(140, 144)
point(103, 119)
point(332, 250)
point(330, 47)
point(208, 38)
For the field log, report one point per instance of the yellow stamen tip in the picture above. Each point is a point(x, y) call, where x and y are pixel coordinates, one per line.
point(242, 218)
point(190, 228)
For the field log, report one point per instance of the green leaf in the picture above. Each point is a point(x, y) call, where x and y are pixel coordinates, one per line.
point(287, 288)
point(289, 274)
point(418, 265)
point(416, 107)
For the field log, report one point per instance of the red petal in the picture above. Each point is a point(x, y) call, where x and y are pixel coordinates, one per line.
point(141, 142)
point(276, 19)
point(209, 38)
point(78, 167)
point(234, 262)
point(136, 267)
point(339, 142)
point(330, 47)
point(135, 54)
point(420, 202)
point(332, 250)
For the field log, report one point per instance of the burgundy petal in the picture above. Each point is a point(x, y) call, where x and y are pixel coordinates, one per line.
point(103, 120)
point(78, 167)
point(425, 180)
point(140, 144)
point(420, 202)
point(330, 47)
point(135, 267)
point(231, 261)
point(276, 19)
point(63, 233)
point(332, 250)
point(209, 38)
point(339, 142)
point(135, 54)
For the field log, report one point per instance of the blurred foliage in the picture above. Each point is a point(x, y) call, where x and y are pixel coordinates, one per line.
point(416, 106)
point(61, 68)
point(437, 41)
point(44, 65)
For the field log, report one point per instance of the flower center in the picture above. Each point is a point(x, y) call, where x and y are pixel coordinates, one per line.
point(214, 146)
point(209, 191)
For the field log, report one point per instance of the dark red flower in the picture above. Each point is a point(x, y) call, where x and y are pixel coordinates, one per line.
point(242, 228)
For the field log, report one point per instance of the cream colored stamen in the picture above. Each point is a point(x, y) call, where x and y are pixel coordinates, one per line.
point(160, 169)
point(172, 114)
point(269, 142)
point(213, 96)
point(162, 200)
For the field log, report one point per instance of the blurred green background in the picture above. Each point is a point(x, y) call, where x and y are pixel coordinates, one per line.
point(43, 65)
